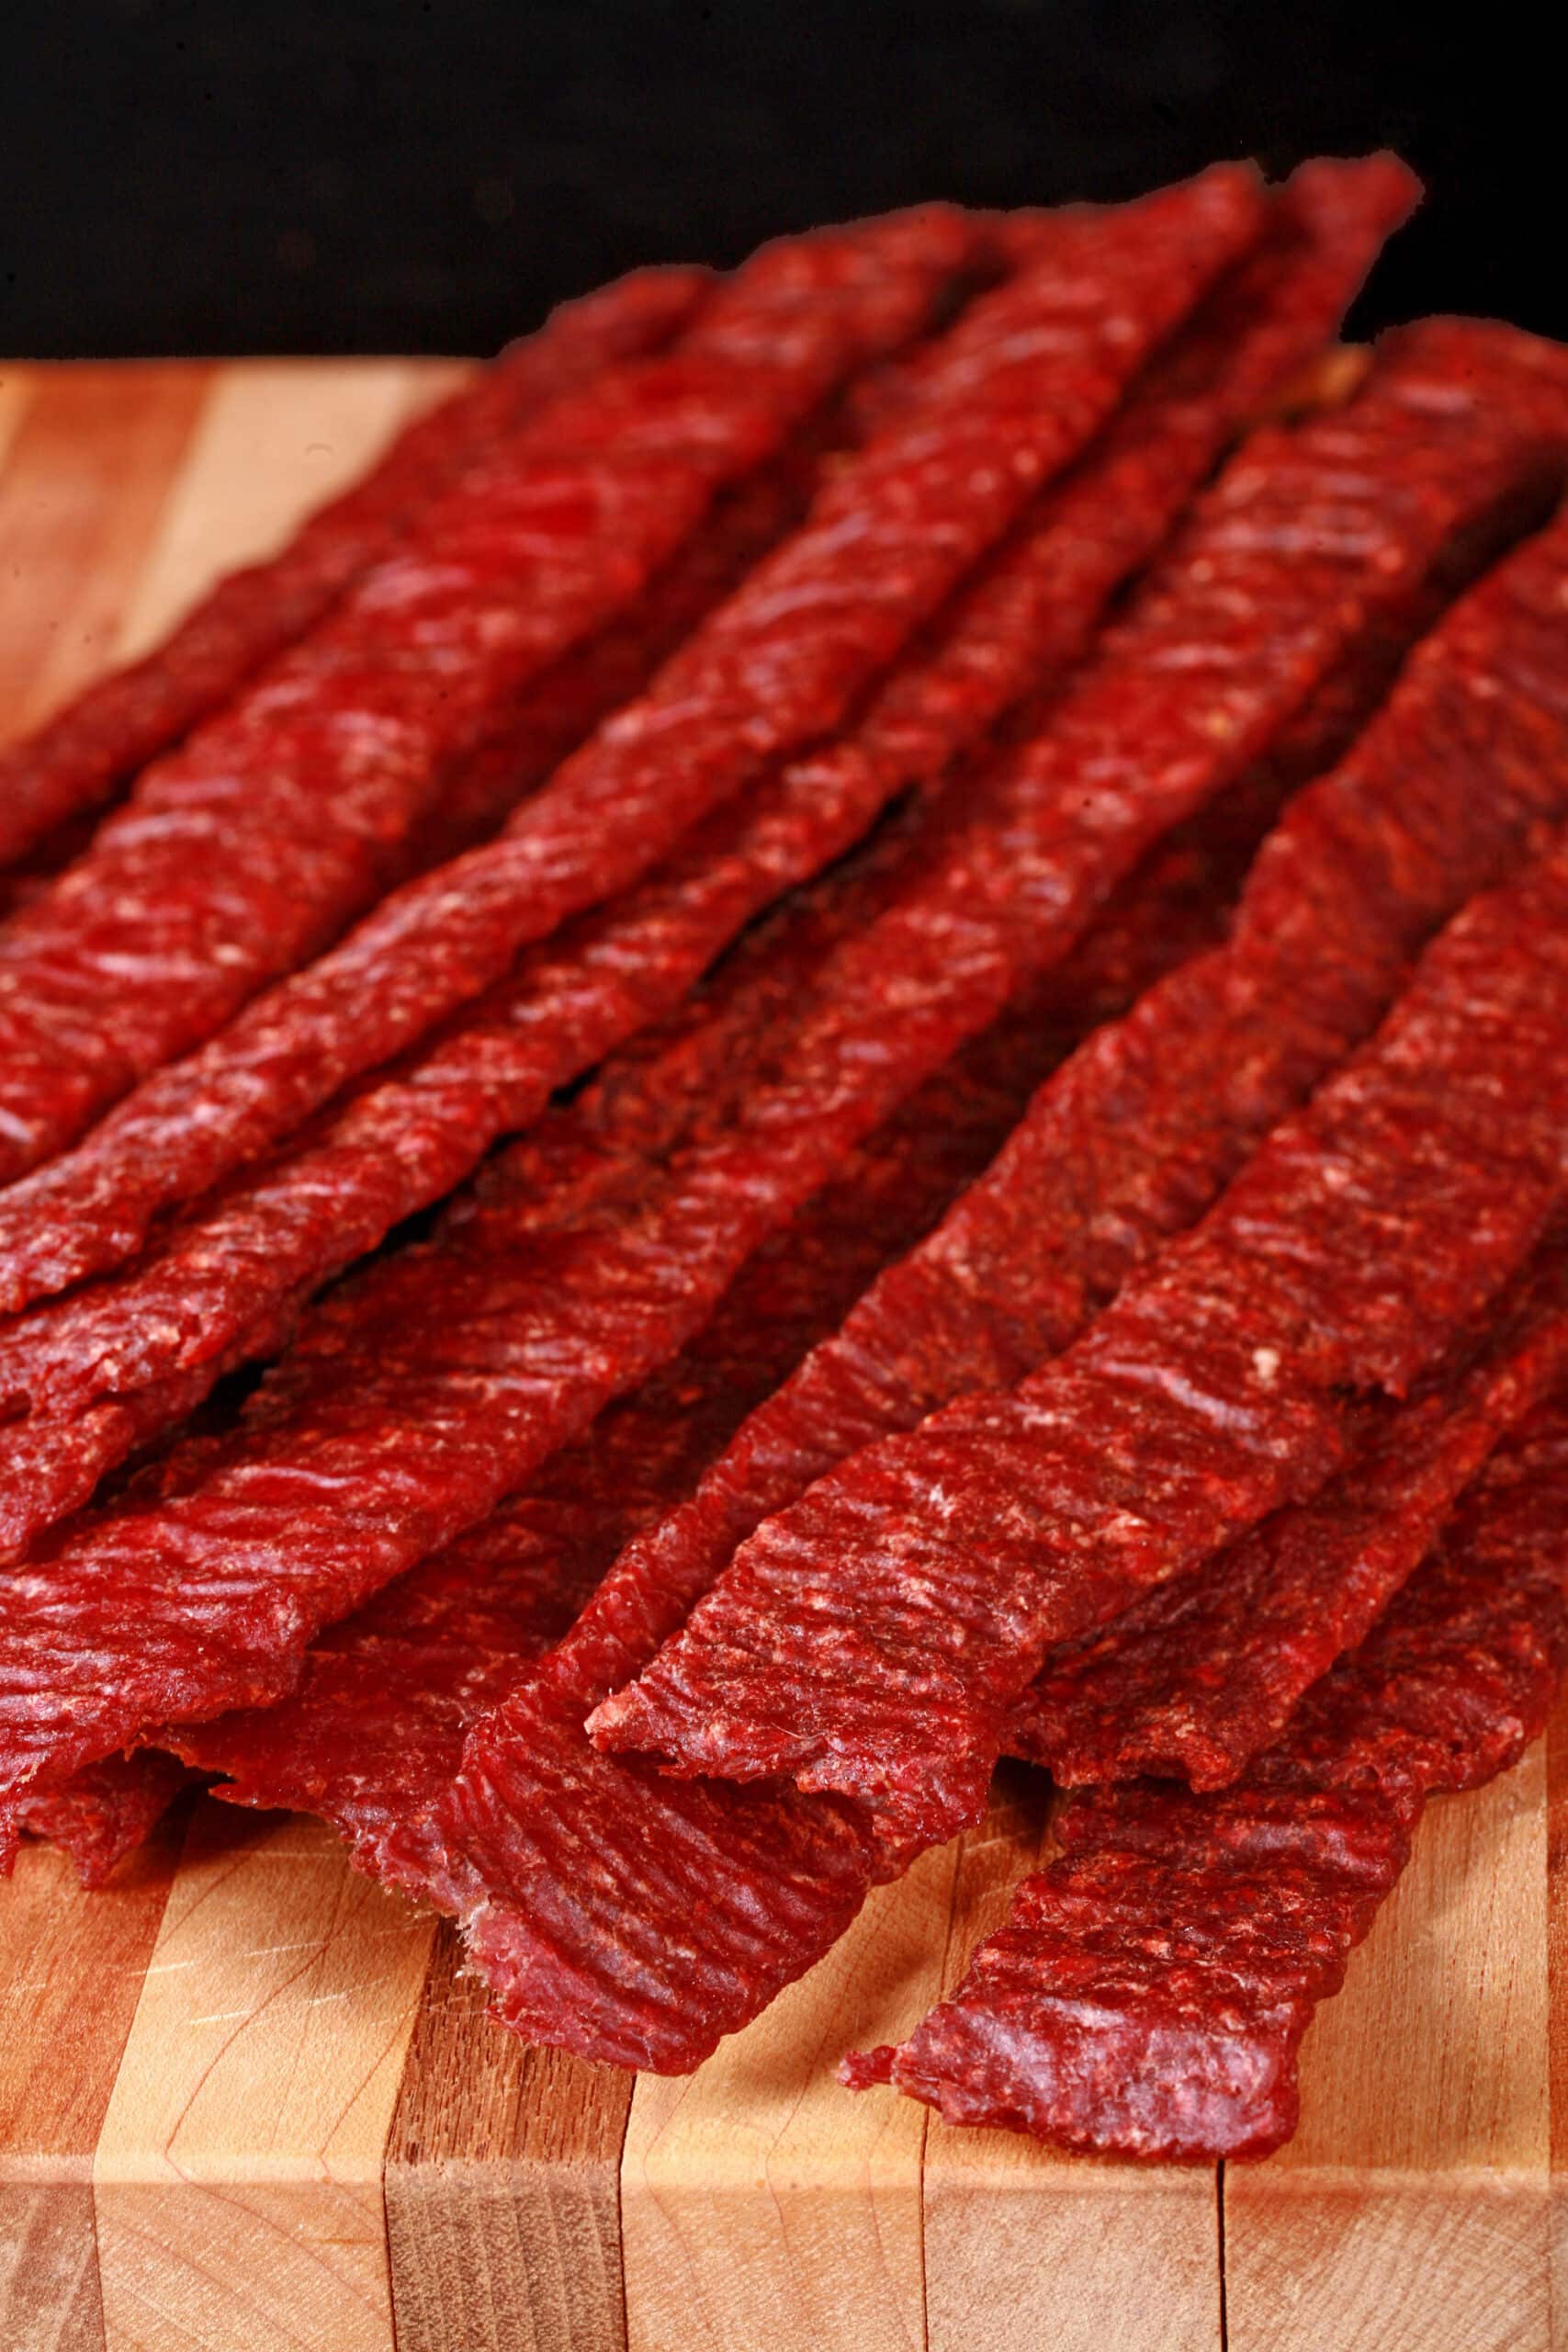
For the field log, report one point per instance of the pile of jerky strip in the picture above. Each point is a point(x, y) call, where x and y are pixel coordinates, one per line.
point(938, 871)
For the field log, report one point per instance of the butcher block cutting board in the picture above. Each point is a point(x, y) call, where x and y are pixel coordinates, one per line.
point(249, 2104)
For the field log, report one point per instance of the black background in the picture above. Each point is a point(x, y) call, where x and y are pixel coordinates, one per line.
point(230, 175)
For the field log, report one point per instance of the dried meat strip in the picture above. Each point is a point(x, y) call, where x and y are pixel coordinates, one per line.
point(871, 1641)
point(1148, 1993)
point(1198, 1679)
point(1142, 1129)
point(75, 760)
point(1033, 369)
point(101, 1815)
point(314, 779)
point(502, 1345)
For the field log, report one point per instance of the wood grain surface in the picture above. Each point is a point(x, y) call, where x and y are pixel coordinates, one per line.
point(248, 2103)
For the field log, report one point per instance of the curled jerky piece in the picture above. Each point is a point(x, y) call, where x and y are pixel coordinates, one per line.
point(998, 891)
point(316, 776)
point(76, 760)
point(100, 1816)
point(1135, 1138)
point(1193, 1682)
point(1148, 1993)
point(1015, 390)
point(501, 1346)
point(871, 1641)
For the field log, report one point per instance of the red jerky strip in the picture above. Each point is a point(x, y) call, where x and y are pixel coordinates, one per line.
point(1022, 383)
point(1202, 1675)
point(103, 1813)
point(1139, 1133)
point(871, 1641)
point(320, 771)
point(1148, 1993)
point(75, 760)
point(375, 1732)
point(531, 1336)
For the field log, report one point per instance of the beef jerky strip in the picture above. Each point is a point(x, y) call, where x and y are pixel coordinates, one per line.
point(616, 1301)
point(173, 1313)
point(1198, 1679)
point(553, 717)
point(101, 1815)
point(557, 712)
point(1140, 1132)
point(1149, 1991)
point(1025, 378)
point(76, 760)
point(872, 1640)
point(782, 656)
point(377, 1727)
point(447, 1639)
point(322, 768)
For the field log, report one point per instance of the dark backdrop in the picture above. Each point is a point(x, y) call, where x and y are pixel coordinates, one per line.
point(225, 175)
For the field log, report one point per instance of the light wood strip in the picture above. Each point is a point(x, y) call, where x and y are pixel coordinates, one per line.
point(502, 2205)
point(764, 2208)
point(71, 1970)
point(1025, 2245)
point(1412, 2207)
point(276, 438)
point(238, 2176)
point(1557, 1983)
point(89, 467)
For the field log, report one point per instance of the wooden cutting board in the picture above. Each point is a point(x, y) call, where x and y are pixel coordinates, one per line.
point(248, 2105)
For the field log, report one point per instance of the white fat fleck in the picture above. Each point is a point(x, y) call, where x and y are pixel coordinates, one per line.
point(1266, 1363)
